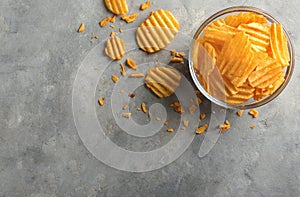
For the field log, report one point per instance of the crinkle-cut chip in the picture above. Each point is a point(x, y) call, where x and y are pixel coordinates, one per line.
point(244, 18)
point(279, 47)
point(259, 35)
point(217, 23)
point(163, 81)
point(218, 35)
point(117, 7)
point(205, 60)
point(245, 92)
point(157, 31)
point(266, 75)
point(115, 48)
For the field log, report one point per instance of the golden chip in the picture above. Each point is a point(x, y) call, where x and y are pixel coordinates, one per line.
point(163, 81)
point(115, 47)
point(117, 7)
point(130, 18)
point(244, 18)
point(157, 31)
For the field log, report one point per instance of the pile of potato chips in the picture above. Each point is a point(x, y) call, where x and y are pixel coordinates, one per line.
point(241, 57)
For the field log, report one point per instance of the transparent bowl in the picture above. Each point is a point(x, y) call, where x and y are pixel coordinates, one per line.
point(250, 103)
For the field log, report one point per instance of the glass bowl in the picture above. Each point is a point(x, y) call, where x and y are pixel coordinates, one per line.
point(251, 103)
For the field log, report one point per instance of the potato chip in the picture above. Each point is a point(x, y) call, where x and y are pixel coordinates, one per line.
point(130, 18)
point(244, 18)
point(117, 7)
point(157, 31)
point(279, 46)
point(146, 5)
point(163, 81)
point(115, 47)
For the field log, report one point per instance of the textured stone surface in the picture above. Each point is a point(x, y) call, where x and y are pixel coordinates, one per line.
point(41, 153)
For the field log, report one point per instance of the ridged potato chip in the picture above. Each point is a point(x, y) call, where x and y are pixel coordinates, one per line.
point(163, 81)
point(157, 31)
point(115, 47)
point(118, 7)
point(244, 18)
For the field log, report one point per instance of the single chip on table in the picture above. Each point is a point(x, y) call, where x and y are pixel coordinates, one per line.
point(117, 7)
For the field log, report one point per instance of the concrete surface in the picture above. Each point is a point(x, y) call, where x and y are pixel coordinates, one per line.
point(41, 153)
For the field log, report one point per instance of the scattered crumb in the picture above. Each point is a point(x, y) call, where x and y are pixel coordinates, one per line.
point(125, 106)
point(149, 115)
point(177, 60)
point(199, 120)
point(81, 28)
point(97, 68)
point(170, 130)
point(112, 34)
point(180, 110)
point(104, 21)
point(145, 6)
point(132, 95)
point(112, 26)
point(202, 116)
point(240, 113)
point(186, 123)
point(158, 118)
point(166, 123)
point(120, 30)
point(131, 63)
point(139, 109)
point(113, 18)
point(175, 104)
point(144, 107)
point(96, 37)
point(253, 112)
point(136, 75)
point(199, 101)
point(130, 18)
point(192, 108)
point(252, 126)
point(224, 127)
point(174, 53)
point(201, 129)
point(122, 70)
point(127, 115)
point(197, 92)
point(101, 101)
point(115, 78)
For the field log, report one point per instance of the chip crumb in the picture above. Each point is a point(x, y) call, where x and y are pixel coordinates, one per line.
point(101, 101)
point(252, 126)
point(131, 63)
point(125, 106)
point(186, 123)
point(130, 18)
point(115, 78)
point(192, 108)
point(132, 95)
point(177, 60)
point(81, 28)
point(166, 123)
point(158, 118)
point(136, 75)
point(180, 110)
point(202, 116)
point(197, 92)
point(174, 53)
point(113, 18)
point(199, 120)
point(97, 68)
point(253, 112)
point(150, 115)
point(122, 70)
point(201, 129)
point(104, 21)
point(170, 130)
point(175, 104)
point(199, 100)
point(144, 107)
point(112, 34)
point(240, 113)
point(127, 115)
point(145, 6)
point(120, 30)
point(224, 127)
point(112, 26)
point(139, 109)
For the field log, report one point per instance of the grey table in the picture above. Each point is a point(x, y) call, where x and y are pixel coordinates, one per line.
point(41, 153)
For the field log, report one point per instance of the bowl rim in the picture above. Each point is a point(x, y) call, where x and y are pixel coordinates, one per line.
point(267, 99)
